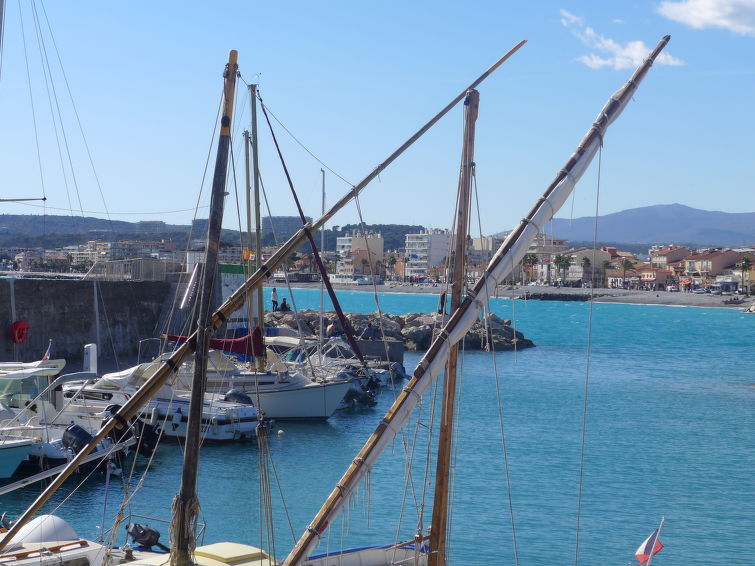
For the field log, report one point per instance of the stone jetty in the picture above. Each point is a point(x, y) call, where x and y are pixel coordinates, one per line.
point(414, 329)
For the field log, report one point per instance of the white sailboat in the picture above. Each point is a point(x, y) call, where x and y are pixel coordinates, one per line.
point(432, 364)
point(440, 356)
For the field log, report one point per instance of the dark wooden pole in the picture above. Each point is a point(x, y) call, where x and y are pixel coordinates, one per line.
point(186, 504)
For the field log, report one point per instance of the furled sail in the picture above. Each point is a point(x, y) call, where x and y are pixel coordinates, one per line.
point(501, 266)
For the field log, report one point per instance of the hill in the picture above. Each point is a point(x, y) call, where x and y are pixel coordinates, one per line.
point(56, 231)
point(664, 223)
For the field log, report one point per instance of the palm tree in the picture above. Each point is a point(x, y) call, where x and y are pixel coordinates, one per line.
point(562, 263)
point(586, 263)
point(392, 264)
point(365, 263)
point(745, 267)
point(626, 263)
point(530, 260)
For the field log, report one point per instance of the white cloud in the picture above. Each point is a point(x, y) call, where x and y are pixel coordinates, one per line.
point(734, 15)
point(614, 54)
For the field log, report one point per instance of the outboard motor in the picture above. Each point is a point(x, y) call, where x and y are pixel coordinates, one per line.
point(236, 396)
point(145, 536)
point(357, 397)
point(75, 438)
point(147, 439)
point(116, 434)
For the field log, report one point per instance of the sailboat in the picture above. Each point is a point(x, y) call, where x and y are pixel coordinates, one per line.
point(49, 539)
point(429, 368)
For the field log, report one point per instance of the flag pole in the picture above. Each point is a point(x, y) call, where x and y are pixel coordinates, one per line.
point(657, 538)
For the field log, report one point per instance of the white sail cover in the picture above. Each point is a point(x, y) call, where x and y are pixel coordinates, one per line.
point(500, 267)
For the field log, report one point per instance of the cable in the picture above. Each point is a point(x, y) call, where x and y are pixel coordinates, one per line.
point(587, 370)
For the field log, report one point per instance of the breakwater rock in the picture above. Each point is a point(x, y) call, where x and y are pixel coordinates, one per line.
point(416, 330)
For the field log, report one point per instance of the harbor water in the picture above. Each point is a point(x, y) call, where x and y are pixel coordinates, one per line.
point(664, 395)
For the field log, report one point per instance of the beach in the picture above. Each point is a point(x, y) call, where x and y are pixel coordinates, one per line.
point(599, 295)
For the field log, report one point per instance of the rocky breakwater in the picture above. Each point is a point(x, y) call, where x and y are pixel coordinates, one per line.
point(415, 330)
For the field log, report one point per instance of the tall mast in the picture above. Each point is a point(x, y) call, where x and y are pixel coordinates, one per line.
point(254, 300)
point(322, 247)
point(150, 388)
point(186, 505)
point(443, 466)
point(257, 207)
point(510, 253)
point(248, 189)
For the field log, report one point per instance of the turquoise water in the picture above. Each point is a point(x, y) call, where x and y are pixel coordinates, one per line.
point(669, 432)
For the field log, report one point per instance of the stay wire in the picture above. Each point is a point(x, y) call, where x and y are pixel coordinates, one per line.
point(298, 142)
point(334, 299)
point(31, 99)
point(587, 369)
point(58, 113)
point(75, 112)
point(499, 396)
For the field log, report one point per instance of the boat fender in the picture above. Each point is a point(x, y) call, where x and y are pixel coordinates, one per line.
point(19, 331)
point(154, 417)
point(237, 396)
point(145, 536)
point(176, 418)
point(75, 438)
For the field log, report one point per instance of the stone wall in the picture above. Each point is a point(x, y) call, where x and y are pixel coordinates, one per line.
point(114, 315)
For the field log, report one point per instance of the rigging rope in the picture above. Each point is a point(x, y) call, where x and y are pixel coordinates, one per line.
point(293, 137)
point(587, 367)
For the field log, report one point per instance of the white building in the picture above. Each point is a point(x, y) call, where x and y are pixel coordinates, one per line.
point(347, 246)
point(425, 250)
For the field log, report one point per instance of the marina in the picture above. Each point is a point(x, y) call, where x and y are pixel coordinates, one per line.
point(555, 430)
point(671, 437)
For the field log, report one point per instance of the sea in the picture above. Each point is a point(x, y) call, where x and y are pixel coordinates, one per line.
point(621, 415)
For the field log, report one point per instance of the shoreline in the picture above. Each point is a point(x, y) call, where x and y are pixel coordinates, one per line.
point(600, 295)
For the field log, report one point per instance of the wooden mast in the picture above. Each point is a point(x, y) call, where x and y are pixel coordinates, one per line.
point(186, 505)
point(257, 223)
point(443, 466)
point(131, 407)
point(509, 253)
point(254, 300)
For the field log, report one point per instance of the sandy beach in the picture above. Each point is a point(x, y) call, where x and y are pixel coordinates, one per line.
point(598, 295)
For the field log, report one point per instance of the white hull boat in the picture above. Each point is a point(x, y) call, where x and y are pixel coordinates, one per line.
point(278, 393)
point(85, 403)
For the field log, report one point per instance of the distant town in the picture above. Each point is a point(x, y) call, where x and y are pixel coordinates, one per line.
point(363, 257)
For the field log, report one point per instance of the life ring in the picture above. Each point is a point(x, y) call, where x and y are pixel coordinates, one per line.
point(19, 331)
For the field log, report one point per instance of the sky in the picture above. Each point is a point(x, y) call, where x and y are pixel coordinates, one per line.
point(352, 81)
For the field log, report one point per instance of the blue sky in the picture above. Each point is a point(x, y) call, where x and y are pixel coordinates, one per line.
point(353, 80)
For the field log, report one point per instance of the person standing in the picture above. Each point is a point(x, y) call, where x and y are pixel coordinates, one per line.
point(274, 299)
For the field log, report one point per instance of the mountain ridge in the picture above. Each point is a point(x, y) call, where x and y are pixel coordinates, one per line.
point(662, 223)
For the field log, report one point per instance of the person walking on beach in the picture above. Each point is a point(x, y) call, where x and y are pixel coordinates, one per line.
point(274, 299)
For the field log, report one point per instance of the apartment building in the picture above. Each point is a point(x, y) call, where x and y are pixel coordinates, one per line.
point(352, 250)
point(425, 250)
point(710, 263)
point(663, 258)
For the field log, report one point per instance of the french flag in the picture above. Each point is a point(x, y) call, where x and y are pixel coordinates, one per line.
point(649, 548)
point(48, 353)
